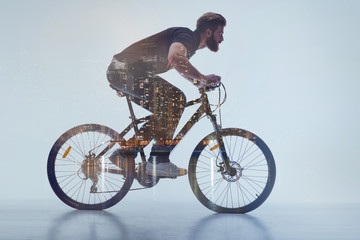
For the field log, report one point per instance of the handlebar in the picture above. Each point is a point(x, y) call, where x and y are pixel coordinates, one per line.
point(209, 87)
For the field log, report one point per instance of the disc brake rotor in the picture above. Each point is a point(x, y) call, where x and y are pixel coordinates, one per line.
point(236, 172)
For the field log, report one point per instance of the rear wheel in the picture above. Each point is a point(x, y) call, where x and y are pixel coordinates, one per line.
point(82, 178)
point(249, 183)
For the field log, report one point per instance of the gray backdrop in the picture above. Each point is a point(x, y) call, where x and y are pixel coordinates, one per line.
point(291, 69)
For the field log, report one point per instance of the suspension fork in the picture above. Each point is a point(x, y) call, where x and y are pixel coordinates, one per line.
point(221, 144)
point(219, 139)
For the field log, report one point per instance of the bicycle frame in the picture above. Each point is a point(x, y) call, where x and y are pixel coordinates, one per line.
point(203, 109)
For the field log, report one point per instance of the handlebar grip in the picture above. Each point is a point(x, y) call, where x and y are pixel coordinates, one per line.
point(209, 88)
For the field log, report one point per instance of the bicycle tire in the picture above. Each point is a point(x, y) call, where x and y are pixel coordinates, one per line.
point(243, 192)
point(71, 167)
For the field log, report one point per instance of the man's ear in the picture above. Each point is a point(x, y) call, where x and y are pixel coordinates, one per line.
point(208, 32)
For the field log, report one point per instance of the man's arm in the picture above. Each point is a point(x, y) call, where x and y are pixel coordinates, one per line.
point(177, 58)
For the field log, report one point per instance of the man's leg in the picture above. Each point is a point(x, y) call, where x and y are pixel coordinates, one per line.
point(168, 106)
point(168, 103)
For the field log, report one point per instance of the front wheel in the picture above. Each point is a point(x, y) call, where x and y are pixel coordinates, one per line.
point(81, 171)
point(250, 181)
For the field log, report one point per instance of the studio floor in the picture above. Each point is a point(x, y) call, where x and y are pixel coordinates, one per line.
point(176, 220)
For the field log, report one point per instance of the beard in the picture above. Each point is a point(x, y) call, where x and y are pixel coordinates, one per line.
point(212, 44)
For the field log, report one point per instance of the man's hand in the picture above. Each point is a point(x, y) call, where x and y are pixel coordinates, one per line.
point(211, 81)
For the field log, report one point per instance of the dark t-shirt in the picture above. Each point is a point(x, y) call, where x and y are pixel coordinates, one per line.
point(153, 51)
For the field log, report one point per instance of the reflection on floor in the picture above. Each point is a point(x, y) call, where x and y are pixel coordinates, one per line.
point(54, 220)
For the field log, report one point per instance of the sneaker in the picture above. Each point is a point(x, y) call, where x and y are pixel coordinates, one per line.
point(167, 169)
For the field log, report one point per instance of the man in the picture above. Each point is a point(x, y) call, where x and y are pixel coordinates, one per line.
point(135, 71)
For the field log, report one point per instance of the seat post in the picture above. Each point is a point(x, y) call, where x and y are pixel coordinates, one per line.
point(136, 129)
point(132, 115)
point(133, 118)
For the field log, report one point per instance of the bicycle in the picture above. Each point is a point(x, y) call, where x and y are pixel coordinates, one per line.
point(230, 170)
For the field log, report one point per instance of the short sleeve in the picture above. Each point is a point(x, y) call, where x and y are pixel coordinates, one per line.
point(186, 37)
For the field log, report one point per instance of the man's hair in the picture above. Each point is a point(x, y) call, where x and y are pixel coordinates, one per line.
point(210, 20)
